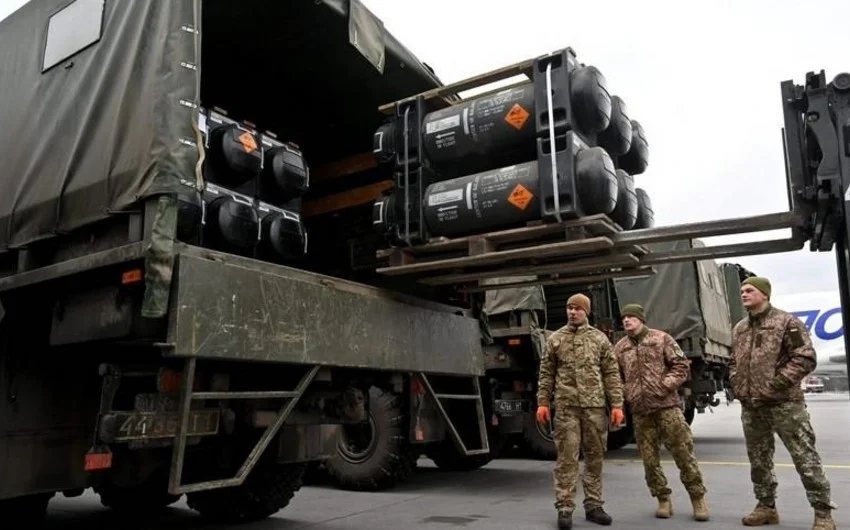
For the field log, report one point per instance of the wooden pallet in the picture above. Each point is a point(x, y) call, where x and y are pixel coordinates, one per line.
point(448, 95)
point(554, 252)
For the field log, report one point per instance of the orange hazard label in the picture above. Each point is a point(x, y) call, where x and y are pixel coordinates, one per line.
point(248, 142)
point(520, 197)
point(517, 116)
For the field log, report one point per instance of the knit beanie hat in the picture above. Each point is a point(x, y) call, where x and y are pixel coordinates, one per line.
point(580, 300)
point(633, 310)
point(760, 283)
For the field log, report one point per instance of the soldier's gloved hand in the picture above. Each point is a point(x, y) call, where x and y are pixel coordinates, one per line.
point(780, 383)
point(617, 417)
point(543, 415)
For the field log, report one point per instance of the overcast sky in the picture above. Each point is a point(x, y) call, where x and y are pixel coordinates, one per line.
point(702, 78)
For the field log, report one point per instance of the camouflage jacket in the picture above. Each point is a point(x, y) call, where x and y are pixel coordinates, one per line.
point(579, 367)
point(771, 354)
point(653, 367)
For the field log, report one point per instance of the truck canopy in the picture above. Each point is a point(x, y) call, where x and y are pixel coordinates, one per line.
point(104, 96)
point(735, 276)
point(688, 300)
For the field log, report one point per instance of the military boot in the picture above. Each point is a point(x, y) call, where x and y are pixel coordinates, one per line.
point(700, 508)
point(597, 515)
point(761, 515)
point(565, 520)
point(823, 520)
point(665, 508)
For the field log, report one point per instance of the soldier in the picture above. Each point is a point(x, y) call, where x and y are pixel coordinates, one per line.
point(772, 353)
point(578, 366)
point(654, 368)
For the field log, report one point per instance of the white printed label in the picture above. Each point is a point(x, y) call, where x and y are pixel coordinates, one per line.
point(445, 197)
point(442, 124)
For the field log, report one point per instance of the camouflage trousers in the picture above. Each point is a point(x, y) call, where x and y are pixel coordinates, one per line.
point(667, 426)
point(791, 422)
point(579, 429)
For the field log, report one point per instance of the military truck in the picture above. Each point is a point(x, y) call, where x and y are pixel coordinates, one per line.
point(166, 327)
point(164, 315)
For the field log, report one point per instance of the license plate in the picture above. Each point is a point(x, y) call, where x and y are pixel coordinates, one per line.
point(510, 406)
point(138, 425)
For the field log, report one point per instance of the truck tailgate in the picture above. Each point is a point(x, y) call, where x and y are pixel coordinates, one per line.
point(228, 307)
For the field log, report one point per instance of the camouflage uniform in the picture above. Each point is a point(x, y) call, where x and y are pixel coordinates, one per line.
point(578, 366)
point(772, 353)
point(654, 368)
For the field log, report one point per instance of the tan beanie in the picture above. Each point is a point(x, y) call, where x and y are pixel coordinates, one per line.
point(580, 300)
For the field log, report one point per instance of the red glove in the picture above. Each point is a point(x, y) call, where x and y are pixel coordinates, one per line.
point(617, 417)
point(543, 415)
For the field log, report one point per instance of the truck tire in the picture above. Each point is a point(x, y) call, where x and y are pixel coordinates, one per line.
point(619, 439)
point(451, 460)
point(151, 494)
point(623, 437)
point(375, 455)
point(141, 498)
point(268, 489)
point(447, 457)
point(538, 440)
point(690, 412)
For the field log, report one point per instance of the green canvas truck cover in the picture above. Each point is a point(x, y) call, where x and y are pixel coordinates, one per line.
point(529, 299)
point(735, 275)
point(99, 101)
point(688, 300)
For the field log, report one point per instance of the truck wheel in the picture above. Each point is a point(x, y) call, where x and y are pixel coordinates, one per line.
point(451, 460)
point(623, 437)
point(268, 489)
point(152, 494)
point(374, 455)
point(28, 511)
point(690, 412)
point(447, 457)
point(538, 439)
point(619, 439)
point(141, 498)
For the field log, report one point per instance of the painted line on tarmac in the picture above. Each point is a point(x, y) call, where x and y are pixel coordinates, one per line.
point(732, 464)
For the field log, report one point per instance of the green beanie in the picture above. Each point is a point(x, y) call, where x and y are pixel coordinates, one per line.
point(633, 310)
point(760, 283)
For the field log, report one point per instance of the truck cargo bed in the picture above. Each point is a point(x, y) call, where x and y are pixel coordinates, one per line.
point(264, 312)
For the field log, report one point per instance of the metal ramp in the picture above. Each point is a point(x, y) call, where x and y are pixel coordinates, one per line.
point(187, 396)
point(463, 446)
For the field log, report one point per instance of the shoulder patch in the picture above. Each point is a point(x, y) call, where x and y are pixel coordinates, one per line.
point(796, 336)
point(677, 349)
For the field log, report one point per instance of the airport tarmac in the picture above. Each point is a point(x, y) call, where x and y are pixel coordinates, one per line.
point(514, 493)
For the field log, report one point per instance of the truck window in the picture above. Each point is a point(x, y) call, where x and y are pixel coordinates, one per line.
point(72, 29)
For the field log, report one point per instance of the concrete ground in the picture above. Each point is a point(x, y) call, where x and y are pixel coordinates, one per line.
point(517, 493)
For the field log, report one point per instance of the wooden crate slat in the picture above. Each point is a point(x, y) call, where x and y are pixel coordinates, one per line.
point(579, 265)
point(520, 68)
point(596, 225)
point(573, 280)
point(539, 251)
